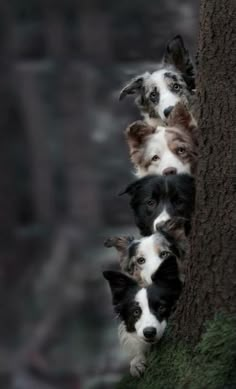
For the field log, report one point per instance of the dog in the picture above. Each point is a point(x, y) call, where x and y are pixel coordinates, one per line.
point(170, 149)
point(158, 92)
point(156, 199)
point(143, 312)
point(141, 257)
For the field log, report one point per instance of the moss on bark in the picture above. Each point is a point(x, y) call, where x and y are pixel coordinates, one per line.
point(211, 365)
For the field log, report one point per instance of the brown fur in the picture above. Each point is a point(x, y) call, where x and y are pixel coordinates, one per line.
point(181, 131)
point(121, 243)
point(174, 228)
point(136, 134)
point(181, 117)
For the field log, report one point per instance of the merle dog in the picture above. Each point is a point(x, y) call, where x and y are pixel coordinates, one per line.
point(172, 82)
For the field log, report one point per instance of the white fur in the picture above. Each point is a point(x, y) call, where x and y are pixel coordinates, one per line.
point(163, 217)
point(135, 349)
point(152, 260)
point(157, 145)
point(167, 98)
point(133, 342)
point(147, 319)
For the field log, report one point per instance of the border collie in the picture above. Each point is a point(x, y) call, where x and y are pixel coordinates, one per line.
point(141, 257)
point(158, 92)
point(143, 311)
point(164, 150)
point(156, 199)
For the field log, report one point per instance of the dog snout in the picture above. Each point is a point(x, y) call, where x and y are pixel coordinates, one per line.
point(168, 171)
point(167, 111)
point(149, 333)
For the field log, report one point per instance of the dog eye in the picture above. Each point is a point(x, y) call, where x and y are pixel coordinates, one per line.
point(136, 312)
point(155, 158)
point(176, 86)
point(151, 203)
point(154, 96)
point(141, 260)
point(181, 150)
point(164, 254)
point(162, 309)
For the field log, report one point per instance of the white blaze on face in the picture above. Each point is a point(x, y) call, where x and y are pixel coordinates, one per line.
point(157, 145)
point(148, 250)
point(167, 98)
point(161, 218)
point(147, 318)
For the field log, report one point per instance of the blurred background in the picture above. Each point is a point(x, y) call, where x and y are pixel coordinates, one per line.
point(63, 162)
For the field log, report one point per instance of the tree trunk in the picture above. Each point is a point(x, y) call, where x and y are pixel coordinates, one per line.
point(210, 281)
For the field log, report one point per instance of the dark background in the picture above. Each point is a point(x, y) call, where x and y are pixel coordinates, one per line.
point(63, 160)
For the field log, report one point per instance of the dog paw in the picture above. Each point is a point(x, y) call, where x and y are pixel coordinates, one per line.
point(137, 366)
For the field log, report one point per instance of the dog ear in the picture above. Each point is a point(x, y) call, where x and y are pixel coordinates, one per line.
point(181, 117)
point(137, 132)
point(176, 229)
point(168, 273)
point(122, 243)
point(119, 242)
point(131, 188)
point(133, 86)
point(176, 54)
point(119, 284)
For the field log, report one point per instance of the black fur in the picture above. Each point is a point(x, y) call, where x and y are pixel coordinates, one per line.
point(177, 55)
point(179, 68)
point(175, 193)
point(163, 292)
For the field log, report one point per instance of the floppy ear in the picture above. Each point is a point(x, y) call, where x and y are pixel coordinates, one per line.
point(168, 273)
point(119, 283)
point(133, 87)
point(175, 228)
point(176, 54)
point(181, 117)
point(130, 189)
point(137, 132)
point(121, 243)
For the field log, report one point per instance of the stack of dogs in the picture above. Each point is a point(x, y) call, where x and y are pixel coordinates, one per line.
point(163, 150)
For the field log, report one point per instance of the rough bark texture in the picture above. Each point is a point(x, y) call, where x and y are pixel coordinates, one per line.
point(211, 279)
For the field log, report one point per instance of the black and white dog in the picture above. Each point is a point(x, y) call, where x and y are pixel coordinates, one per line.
point(158, 92)
point(144, 311)
point(156, 199)
point(141, 257)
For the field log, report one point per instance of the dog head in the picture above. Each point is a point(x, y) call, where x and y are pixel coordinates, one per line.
point(156, 199)
point(158, 92)
point(142, 257)
point(164, 150)
point(145, 311)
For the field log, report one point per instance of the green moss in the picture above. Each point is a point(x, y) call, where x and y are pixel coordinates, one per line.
point(211, 365)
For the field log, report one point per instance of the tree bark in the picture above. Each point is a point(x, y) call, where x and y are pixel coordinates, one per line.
point(210, 282)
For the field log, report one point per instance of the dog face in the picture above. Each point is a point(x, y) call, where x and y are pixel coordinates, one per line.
point(158, 92)
point(142, 257)
point(164, 150)
point(156, 199)
point(145, 311)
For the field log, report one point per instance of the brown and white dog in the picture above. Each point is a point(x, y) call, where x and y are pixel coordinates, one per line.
point(141, 257)
point(170, 149)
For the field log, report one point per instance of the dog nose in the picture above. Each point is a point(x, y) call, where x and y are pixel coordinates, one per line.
point(167, 111)
point(149, 332)
point(168, 171)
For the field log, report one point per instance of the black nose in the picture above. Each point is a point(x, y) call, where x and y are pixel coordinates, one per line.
point(167, 111)
point(169, 170)
point(149, 332)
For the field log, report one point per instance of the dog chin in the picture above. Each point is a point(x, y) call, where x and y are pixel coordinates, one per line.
point(152, 341)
